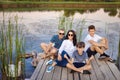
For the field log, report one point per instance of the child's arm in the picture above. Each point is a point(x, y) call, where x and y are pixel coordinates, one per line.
point(88, 61)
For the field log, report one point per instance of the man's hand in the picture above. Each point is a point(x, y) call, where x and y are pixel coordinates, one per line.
point(59, 57)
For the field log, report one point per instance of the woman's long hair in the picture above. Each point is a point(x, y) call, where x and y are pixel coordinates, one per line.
point(74, 36)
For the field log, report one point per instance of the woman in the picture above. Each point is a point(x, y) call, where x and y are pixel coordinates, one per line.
point(65, 52)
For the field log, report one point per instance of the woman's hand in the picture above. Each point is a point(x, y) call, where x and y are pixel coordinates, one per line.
point(69, 60)
point(59, 57)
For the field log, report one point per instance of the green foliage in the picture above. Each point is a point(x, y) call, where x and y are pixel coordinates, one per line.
point(70, 0)
point(66, 23)
point(11, 46)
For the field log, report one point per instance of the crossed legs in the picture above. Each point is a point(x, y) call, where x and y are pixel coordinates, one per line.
point(51, 52)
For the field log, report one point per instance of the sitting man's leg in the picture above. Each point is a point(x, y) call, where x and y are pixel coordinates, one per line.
point(44, 46)
point(52, 53)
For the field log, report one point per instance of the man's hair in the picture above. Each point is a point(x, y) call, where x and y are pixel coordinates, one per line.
point(80, 44)
point(91, 27)
point(61, 29)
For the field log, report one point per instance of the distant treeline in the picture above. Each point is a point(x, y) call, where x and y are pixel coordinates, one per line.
point(70, 0)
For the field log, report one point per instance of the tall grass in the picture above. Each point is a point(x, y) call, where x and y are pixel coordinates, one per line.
point(66, 23)
point(11, 47)
point(79, 29)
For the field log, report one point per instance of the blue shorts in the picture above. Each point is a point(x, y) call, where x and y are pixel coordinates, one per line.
point(64, 61)
point(79, 64)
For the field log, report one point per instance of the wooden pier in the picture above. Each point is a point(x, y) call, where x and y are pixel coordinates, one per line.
point(101, 70)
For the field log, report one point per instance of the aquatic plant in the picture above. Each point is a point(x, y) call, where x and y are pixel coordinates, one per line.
point(11, 47)
point(66, 23)
point(79, 29)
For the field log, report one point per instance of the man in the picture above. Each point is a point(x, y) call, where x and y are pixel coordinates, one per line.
point(55, 43)
point(96, 44)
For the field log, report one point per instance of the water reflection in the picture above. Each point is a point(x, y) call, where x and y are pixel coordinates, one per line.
point(111, 11)
point(70, 12)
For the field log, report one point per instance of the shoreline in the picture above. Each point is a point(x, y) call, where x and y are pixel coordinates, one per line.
point(61, 5)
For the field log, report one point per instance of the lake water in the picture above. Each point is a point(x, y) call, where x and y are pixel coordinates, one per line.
point(39, 26)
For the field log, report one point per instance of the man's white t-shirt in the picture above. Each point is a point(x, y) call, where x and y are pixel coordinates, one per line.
point(95, 38)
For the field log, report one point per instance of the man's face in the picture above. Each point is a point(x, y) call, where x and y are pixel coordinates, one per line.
point(61, 34)
point(92, 32)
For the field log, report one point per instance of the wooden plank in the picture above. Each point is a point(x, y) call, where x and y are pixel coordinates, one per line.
point(93, 75)
point(76, 76)
point(114, 70)
point(97, 70)
point(37, 70)
point(64, 74)
point(86, 76)
point(105, 69)
point(57, 73)
point(82, 77)
point(48, 76)
point(70, 75)
point(41, 73)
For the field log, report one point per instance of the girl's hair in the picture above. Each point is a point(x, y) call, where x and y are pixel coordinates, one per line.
point(74, 36)
point(80, 44)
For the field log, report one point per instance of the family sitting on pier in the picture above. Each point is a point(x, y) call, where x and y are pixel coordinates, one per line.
point(65, 51)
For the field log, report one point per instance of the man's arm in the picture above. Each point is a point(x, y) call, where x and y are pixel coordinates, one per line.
point(88, 61)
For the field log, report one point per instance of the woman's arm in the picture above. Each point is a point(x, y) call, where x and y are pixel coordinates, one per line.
point(62, 47)
point(69, 60)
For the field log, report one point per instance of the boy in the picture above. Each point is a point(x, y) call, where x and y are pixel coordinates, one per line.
point(96, 44)
point(80, 58)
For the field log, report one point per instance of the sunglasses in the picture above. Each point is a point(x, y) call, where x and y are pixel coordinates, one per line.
point(61, 33)
point(70, 34)
point(79, 47)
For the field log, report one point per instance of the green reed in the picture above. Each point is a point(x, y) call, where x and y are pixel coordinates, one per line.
point(80, 26)
point(66, 23)
point(12, 45)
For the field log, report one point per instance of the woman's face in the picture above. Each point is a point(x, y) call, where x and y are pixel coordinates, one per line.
point(70, 35)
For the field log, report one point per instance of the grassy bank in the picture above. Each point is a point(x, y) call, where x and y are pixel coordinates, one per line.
point(68, 2)
point(31, 6)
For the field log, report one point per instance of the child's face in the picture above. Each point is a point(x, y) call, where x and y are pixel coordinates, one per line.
point(80, 50)
point(92, 32)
